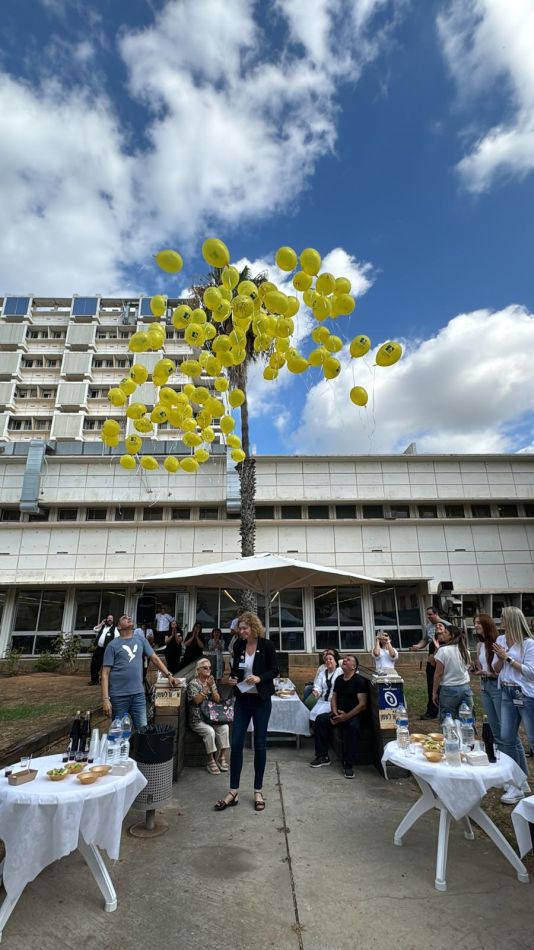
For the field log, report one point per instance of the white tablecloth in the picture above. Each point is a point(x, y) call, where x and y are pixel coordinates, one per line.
point(41, 822)
point(460, 788)
point(288, 714)
point(522, 818)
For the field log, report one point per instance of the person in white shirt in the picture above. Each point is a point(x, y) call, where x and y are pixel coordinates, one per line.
point(106, 631)
point(451, 678)
point(514, 662)
point(323, 685)
point(384, 653)
point(162, 623)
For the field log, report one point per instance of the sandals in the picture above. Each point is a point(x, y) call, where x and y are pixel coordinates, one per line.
point(213, 768)
point(222, 803)
point(259, 803)
point(223, 765)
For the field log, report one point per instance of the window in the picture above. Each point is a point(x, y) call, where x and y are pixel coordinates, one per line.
point(26, 393)
point(84, 306)
point(144, 308)
point(338, 618)
point(318, 511)
point(529, 510)
point(16, 306)
point(3, 595)
point(454, 511)
point(291, 512)
point(181, 514)
point(527, 605)
point(93, 604)
point(286, 621)
point(124, 514)
point(9, 514)
point(67, 514)
point(507, 511)
point(397, 610)
point(152, 514)
point(264, 512)
point(41, 515)
point(51, 364)
point(345, 511)
point(481, 511)
point(399, 511)
point(373, 511)
point(427, 511)
point(208, 514)
point(95, 514)
point(39, 610)
point(502, 600)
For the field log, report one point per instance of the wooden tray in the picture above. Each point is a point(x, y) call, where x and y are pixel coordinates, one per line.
point(20, 778)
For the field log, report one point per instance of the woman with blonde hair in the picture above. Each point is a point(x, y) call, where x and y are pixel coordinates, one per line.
point(214, 735)
point(514, 663)
point(254, 668)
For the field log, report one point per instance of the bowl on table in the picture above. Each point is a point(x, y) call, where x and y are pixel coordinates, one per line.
point(74, 767)
point(100, 770)
point(87, 778)
point(432, 755)
point(418, 737)
point(56, 775)
point(436, 736)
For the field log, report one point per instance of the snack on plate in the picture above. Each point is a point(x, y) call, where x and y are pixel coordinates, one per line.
point(418, 737)
point(55, 775)
point(432, 755)
point(73, 767)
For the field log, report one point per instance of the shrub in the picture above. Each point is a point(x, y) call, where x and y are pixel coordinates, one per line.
point(68, 647)
point(12, 661)
point(47, 663)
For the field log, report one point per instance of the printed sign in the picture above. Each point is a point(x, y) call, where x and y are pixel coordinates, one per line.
point(389, 697)
point(167, 697)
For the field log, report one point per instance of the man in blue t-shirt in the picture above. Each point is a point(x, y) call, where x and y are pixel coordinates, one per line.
point(122, 674)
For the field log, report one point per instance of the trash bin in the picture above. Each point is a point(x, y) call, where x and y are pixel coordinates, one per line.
point(153, 752)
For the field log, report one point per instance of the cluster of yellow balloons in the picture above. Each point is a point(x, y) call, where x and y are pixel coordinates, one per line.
point(231, 310)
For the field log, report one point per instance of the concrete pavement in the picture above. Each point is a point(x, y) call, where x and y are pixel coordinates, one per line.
point(316, 871)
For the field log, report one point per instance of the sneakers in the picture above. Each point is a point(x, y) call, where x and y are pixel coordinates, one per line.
point(319, 761)
point(525, 788)
point(512, 795)
point(348, 771)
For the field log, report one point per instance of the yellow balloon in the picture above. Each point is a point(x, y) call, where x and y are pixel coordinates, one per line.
point(238, 455)
point(310, 261)
point(322, 308)
point(227, 358)
point(325, 283)
point(194, 335)
point(116, 396)
point(286, 258)
point(169, 261)
point(111, 440)
point(227, 424)
point(201, 455)
point(189, 464)
point(127, 461)
point(215, 253)
point(189, 390)
point(204, 419)
point(320, 334)
point(209, 333)
point(111, 427)
point(220, 344)
point(191, 439)
point(213, 365)
point(176, 418)
point(388, 354)
point(233, 441)
point(333, 344)
point(143, 425)
point(159, 415)
point(359, 346)
point(302, 281)
point(211, 298)
point(221, 384)
point(171, 464)
point(225, 292)
point(191, 368)
point(165, 366)
point(221, 312)
point(344, 304)
point(297, 364)
point(133, 443)
point(167, 396)
point(265, 287)
point(139, 374)
point(236, 398)
point(181, 316)
point(135, 410)
point(138, 342)
point(343, 285)
point(207, 434)
point(158, 305)
point(149, 463)
point(284, 327)
point(270, 373)
point(331, 367)
point(242, 306)
point(281, 346)
point(359, 396)
point(293, 306)
point(276, 302)
point(277, 360)
point(215, 406)
point(318, 356)
point(247, 287)
point(230, 277)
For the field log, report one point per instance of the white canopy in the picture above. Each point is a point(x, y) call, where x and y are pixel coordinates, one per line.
point(263, 573)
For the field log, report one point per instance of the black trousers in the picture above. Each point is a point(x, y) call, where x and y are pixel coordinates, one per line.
point(96, 663)
point(431, 708)
point(350, 733)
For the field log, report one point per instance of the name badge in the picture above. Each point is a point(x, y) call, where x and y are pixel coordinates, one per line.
point(242, 665)
point(518, 698)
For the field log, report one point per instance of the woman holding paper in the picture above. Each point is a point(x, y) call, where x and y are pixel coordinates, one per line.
point(254, 668)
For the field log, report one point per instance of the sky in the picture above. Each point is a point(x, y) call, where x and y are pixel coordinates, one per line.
point(397, 138)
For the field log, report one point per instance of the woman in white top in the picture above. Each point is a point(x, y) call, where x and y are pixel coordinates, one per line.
point(323, 685)
point(384, 653)
point(451, 676)
point(515, 665)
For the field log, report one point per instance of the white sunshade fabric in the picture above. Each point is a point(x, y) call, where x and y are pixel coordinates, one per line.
point(262, 572)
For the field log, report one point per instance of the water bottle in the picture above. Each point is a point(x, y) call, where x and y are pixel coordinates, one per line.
point(447, 725)
point(114, 740)
point(125, 738)
point(452, 743)
point(467, 728)
point(464, 713)
point(403, 732)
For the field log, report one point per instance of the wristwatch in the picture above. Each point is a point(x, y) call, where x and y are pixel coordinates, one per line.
point(509, 659)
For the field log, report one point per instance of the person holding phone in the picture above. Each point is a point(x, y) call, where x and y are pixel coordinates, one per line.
point(384, 653)
point(254, 669)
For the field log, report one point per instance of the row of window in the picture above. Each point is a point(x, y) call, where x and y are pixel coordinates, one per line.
point(396, 511)
point(126, 513)
point(81, 307)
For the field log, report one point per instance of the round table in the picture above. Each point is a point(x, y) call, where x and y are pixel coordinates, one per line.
point(42, 821)
point(456, 792)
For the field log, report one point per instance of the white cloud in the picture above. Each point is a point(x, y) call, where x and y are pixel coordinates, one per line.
point(463, 390)
point(488, 46)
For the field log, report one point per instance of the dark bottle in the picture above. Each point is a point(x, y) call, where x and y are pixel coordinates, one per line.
point(488, 740)
point(75, 735)
point(85, 735)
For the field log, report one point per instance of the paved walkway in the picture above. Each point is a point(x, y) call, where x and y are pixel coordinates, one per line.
point(316, 871)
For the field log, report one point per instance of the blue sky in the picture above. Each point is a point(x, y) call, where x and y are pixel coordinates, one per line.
point(398, 138)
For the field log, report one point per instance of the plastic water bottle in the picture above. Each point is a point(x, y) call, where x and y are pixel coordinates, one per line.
point(401, 716)
point(467, 728)
point(114, 741)
point(125, 738)
point(447, 725)
point(464, 713)
point(403, 732)
point(452, 743)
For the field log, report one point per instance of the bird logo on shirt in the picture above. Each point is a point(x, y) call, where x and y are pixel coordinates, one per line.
point(131, 653)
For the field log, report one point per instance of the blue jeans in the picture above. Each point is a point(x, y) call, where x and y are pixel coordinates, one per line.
point(511, 717)
point(133, 704)
point(452, 697)
point(490, 695)
point(259, 710)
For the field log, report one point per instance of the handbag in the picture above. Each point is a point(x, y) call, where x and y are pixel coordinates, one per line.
point(217, 713)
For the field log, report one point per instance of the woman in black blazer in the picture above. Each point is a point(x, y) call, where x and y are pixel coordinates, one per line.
point(255, 665)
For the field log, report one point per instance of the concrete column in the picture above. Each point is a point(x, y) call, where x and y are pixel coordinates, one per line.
point(8, 619)
point(368, 618)
point(309, 619)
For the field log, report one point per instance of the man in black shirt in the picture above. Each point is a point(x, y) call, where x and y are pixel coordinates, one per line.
point(349, 702)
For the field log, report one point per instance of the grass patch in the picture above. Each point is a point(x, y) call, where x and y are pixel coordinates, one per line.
point(26, 711)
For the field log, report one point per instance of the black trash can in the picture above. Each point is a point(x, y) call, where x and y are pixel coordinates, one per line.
point(153, 752)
